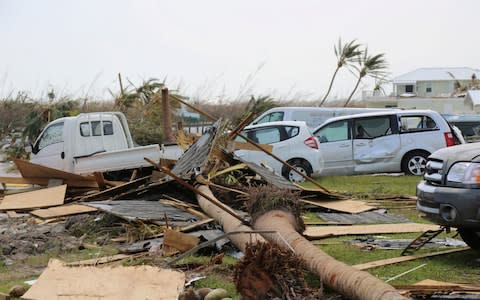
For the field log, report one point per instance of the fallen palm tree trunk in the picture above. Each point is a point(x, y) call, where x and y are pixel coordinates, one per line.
point(352, 283)
point(228, 222)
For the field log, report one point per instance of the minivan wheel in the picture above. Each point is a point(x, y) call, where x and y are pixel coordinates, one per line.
point(301, 165)
point(471, 237)
point(414, 163)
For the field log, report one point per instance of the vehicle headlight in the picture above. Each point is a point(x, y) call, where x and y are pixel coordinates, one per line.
point(464, 172)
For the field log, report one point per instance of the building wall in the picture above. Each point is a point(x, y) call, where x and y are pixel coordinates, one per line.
point(443, 106)
point(437, 88)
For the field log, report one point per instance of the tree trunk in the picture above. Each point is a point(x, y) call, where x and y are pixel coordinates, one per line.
point(329, 87)
point(167, 118)
point(349, 282)
point(228, 222)
point(353, 92)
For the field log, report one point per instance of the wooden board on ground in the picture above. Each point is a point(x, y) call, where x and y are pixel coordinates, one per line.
point(396, 260)
point(180, 242)
point(28, 169)
point(430, 282)
point(99, 261)
point(35, 199)
point(349, 206)
point(44, 181)
point(106, 283)
point(329, 231)
point(61, 211)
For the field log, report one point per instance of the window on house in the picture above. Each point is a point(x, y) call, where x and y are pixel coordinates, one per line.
point(409, 88)
point(428, 89)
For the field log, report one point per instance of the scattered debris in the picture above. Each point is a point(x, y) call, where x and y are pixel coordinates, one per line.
point(370, 217)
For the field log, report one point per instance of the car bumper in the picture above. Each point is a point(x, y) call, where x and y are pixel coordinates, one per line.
point(449, 206)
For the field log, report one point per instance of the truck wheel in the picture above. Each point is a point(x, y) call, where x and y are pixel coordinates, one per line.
point(301, 165)
point(471, 237)
point(414, 163)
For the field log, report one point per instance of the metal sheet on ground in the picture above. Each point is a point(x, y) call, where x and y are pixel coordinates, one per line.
point(61, 211)
point(152, 211)
point(35, 199)
point(350, 206)
point(328, 231)
point(118, 283)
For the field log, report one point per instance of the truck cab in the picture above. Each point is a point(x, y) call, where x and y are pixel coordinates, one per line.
point(66, 141)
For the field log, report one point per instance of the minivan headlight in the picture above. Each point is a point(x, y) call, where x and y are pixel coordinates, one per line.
point(464, 172)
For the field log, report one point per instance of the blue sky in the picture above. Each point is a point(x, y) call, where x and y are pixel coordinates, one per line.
point(223, 49)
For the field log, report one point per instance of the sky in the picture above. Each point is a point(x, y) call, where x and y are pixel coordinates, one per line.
point(214, 50)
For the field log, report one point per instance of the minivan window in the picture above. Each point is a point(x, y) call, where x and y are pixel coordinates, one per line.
point(271, 117)
point(333, 132)
point(370, 128)
point(51, 135)
point(417, 123)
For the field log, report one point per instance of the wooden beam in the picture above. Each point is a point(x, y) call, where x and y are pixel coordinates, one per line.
point(44, 181)
point(396, 260)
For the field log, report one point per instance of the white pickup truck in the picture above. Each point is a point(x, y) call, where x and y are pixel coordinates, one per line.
point(94, 142)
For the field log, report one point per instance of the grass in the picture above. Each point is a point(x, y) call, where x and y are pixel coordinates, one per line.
point(367, 186)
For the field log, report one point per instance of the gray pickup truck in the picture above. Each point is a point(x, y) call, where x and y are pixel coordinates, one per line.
point(449, 193)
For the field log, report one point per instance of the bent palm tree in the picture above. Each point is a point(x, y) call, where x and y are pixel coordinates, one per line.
point(374, 66)
point(346, 54)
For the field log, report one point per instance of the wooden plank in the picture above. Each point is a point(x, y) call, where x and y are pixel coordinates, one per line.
point(349, 206)
point(61, 211)
point(12, 214)
point(99, 261)
point(107, 283)
point(430, 282)
point(44, 181)
point(328, 231)
point(178, 241)
point(116, 189)
point(100, 180)
point(396, 260)
point(28, 169)
point(35, 199)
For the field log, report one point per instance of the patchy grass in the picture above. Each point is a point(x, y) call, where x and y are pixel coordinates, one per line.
point(369, 186)
point(32, 266)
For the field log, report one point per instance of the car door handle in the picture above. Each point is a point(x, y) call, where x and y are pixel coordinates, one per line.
point(360, 144)
point(62, 155)
point(344, 145)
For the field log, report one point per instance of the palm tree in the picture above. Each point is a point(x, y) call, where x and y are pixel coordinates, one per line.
point(346, 54)
point(370, 65)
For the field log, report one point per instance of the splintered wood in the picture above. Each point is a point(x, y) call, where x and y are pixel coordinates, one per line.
point(328, 231)
point(109, 283)
point(35, 199)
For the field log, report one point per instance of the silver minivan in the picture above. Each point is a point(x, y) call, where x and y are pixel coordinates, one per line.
point(391, 141)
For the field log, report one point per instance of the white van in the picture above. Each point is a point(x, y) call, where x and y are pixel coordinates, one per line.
point(313, 116)
point(395, 141)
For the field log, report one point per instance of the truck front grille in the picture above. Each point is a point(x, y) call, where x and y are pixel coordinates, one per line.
point(434, 172)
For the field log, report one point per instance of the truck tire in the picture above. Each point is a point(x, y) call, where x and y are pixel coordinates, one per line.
point(471, 237)
point(301, 165)
point(414, 163)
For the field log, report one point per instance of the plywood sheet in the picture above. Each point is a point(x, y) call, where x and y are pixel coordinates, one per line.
point(60, 282)
point(327, 231)
point(61, 211)
point(35, 199)
point(349, 206)
point(28, 169)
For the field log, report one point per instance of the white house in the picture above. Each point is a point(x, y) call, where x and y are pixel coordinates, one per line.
point(440, 89)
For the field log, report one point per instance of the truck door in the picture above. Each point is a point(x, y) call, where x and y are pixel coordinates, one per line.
point(376, 143)
point(336, 147)
point(49, 149)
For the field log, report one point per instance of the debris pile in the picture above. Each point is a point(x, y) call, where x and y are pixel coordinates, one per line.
point(198, 206)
